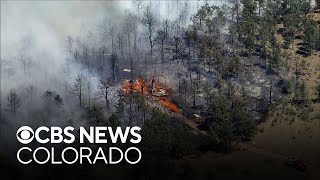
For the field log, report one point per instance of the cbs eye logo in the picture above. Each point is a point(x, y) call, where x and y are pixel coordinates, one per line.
point(25, 134)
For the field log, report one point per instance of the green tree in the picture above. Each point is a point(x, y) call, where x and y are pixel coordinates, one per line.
point(120, 103)
point(96, 116)
point(58, 100)
point(229, 121)
point(290, 29)
point(233, 66)
point(163, 138)
point(294, 6)
point(202, 13)
point(78, 87)
point(113, 121)
point(311, 37)
point(243, 122)
point(301, 91)
point(275, 57)
point(248, 25)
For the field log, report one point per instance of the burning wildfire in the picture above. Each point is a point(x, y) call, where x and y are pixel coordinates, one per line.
point(167, 104)
point(138, 85)
point(146, 89)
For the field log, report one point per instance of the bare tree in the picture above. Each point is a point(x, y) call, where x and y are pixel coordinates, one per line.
point(207, 90)
point(78, 87)
point(120, 105)
point(69, 45)
point(270, 91)
point(114, 61)
point(194, 92)
point(161, 37)
point(165, 27)
point(7, 68)
point(14, 101)
point(138, 4)
point(121, 44)
point(76, 54)
point(92, 42)
point(68, 60)
point(185, 88)
point(89, 88)
point(25, 61)
point(129, 29)
point(149, 21)
point(68, 63)
point(101, 65)
point(104, 30)
point(31, 92)
point(85, 56)
point(105, 84)
point(23, 55)
point(111, 33)
point(179, 75)
point(176, 43)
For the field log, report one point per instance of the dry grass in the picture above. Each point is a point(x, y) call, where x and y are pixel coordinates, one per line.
point(308, 67)
point(290, 129)
point(294, 131)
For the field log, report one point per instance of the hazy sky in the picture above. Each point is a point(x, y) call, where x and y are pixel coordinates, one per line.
point(44, 26)
point(49, 22)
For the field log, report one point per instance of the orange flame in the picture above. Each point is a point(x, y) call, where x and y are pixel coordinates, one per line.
point(141, 85)
point(138, 85)
point(167, 104)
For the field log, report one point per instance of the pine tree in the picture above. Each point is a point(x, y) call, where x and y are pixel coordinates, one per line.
point(229, 121)
point(113, 121)
point(275, 56)
point(290, 30)
point(311, 37)
point(96, 116)
point(248, 25)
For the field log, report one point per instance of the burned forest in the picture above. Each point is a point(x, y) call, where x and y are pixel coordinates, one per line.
point(221, 80)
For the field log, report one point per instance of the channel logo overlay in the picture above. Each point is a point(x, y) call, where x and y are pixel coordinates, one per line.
point(25, 134)
point(89, 154)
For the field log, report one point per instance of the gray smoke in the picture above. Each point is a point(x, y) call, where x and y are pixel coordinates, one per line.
point(33, 52)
